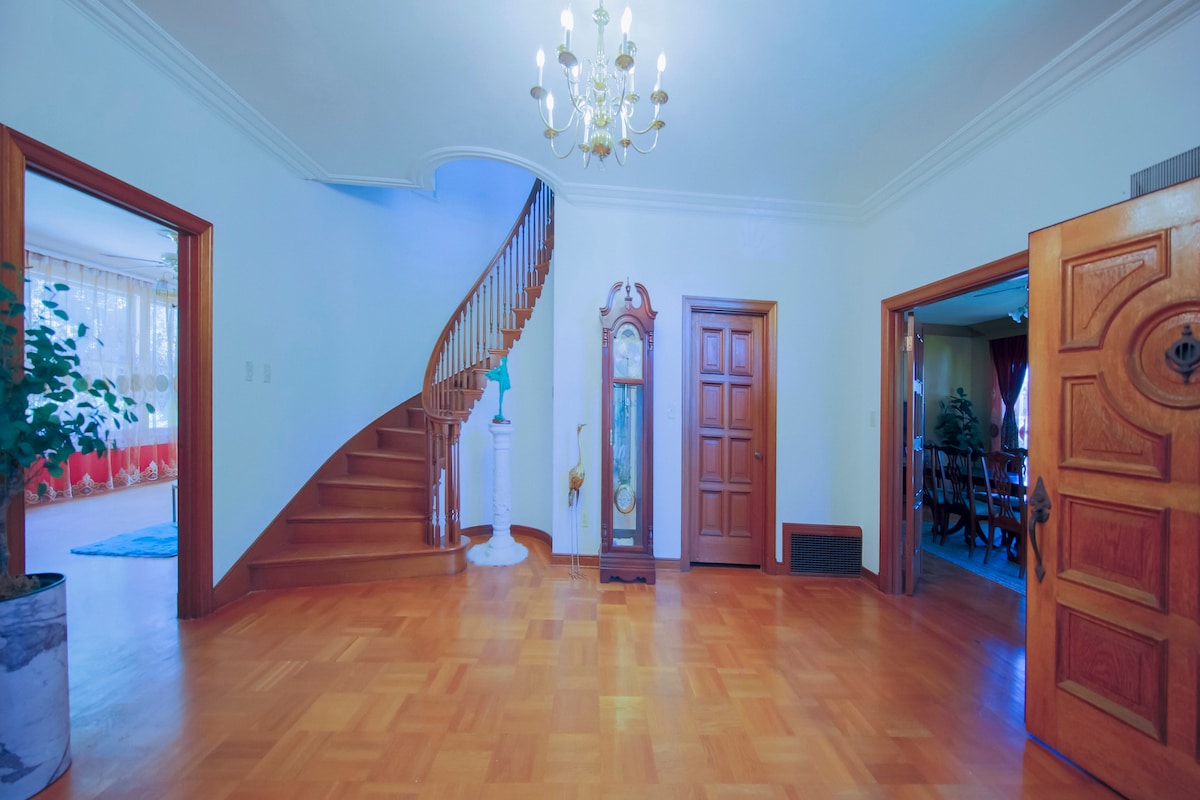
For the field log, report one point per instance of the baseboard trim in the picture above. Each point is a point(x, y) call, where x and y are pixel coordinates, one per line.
point(870, 577)
point(485, 531)
point(564, 560)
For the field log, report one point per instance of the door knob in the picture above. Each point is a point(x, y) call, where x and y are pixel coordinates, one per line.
point(758, 455)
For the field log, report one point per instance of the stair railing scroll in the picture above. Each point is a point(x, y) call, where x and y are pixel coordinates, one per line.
point(477, 335)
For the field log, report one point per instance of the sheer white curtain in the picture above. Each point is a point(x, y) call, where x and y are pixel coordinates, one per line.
point(137, 323)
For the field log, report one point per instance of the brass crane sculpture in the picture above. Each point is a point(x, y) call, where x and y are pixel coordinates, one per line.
point(576, 482)
point(576, 473)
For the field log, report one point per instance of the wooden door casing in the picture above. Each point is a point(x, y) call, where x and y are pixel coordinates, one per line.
point(1113, 678)
point(19, 152)
point(892, 390)
point(914, 518)
point(729, 433)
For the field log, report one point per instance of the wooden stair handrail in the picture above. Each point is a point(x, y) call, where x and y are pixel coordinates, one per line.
point(477, 334)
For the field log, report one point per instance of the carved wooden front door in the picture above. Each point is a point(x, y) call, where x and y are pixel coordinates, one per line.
point(1114, 622)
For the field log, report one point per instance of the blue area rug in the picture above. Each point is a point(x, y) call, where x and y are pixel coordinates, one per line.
point(998, 569)
point(157, 541)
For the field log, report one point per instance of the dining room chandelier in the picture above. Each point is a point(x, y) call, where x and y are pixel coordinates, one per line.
point(602, 96)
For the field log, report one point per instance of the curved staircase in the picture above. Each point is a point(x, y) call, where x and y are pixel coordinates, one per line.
point(385, 505)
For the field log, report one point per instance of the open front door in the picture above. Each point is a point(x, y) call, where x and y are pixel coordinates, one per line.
point(1114, 546)
point(914, 423)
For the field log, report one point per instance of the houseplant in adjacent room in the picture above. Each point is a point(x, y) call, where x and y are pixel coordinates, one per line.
point(48, 412)
point(957, 425)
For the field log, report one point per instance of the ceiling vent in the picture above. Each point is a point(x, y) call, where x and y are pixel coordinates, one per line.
point(1182, 167)
point(832, 550)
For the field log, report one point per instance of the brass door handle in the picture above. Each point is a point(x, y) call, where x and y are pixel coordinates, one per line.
point(758, 455)
point(1040, 505)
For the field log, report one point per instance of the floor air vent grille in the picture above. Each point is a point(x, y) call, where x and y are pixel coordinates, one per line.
point(1182, 167)
point(824, 550)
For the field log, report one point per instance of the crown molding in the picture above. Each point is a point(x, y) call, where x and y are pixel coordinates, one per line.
point(131, 27)
point(596, 196)
point(1129, 30)
point(1125, 33)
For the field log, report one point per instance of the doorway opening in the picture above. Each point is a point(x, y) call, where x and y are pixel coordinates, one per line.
point(122, 274)
point(19, 153)
point(899, 552)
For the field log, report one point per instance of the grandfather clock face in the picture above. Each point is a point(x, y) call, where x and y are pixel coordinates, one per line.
point(627, 352)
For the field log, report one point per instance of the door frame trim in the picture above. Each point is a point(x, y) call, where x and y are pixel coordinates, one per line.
point(893, 309)
point(768, 311)
point(19, 152)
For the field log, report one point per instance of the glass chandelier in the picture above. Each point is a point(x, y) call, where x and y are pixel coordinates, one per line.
point(602, 95)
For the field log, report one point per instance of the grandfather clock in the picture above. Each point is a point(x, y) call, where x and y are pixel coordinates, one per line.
point(627, 485)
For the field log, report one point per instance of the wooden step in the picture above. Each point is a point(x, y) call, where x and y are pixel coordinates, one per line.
point(387, 464)
point(522, 315)
point(510, 337)
point(533, 293)
point(369, 491)
point(320, 564)
point(348, 525)
point(406, 440)
point(416, 418)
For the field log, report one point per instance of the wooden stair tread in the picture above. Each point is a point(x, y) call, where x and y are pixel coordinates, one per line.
point(315, 552)
point(393, 455)
point(348, 514)
point(372, 482)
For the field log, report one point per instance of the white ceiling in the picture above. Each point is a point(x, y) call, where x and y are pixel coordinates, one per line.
point(982, 305)
point(824, 107)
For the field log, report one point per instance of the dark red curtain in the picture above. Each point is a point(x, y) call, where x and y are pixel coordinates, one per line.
point(1011, 357)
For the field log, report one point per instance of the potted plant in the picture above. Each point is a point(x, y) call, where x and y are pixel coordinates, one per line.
point(48, 412)
point(957, 425)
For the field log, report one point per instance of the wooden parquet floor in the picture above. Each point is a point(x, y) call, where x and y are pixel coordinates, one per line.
point(519, 682)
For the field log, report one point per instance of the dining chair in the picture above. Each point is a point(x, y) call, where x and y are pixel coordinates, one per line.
point(934, 493)
point(1003, 474)
point(959, 501)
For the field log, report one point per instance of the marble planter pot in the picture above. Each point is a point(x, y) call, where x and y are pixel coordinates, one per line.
point(35, 724)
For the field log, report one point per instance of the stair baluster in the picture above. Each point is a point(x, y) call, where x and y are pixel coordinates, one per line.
point(480, 332)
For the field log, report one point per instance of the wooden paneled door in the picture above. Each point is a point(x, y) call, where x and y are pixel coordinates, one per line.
point(914, 437)
point(727, 429)
point(1114, 559)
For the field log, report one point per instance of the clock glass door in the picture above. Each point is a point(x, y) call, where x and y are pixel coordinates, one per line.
point(628, 415)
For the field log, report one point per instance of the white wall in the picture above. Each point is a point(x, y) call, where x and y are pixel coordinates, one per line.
point(330, 286)
point(674, 254)
point(1072, 158)
point(952, 362)
point(529, 406)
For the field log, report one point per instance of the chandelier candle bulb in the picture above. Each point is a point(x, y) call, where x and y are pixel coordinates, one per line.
point(662, 66)
point(568, 22)
point(541, 62)
point(626, 21)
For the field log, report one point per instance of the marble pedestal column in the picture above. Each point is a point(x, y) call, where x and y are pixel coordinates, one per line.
point(501, 550)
